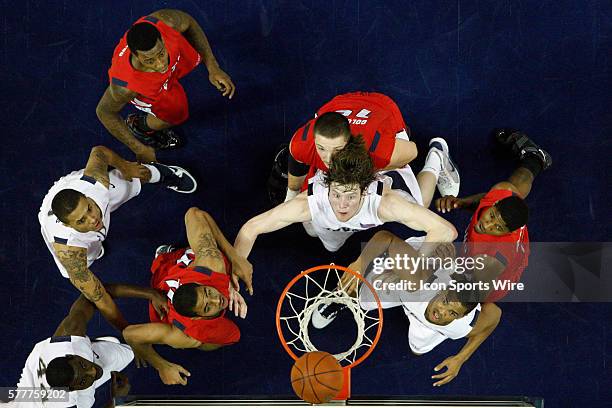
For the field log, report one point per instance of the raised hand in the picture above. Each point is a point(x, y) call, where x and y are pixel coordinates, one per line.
point(132, 170)
point(453, 365)
point(448, 203)
point(222, 82)
point(172, 374)
point(120, 384)
point(242, 270)
point(237, 303)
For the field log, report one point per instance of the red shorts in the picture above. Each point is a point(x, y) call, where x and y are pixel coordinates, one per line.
point(170, 106)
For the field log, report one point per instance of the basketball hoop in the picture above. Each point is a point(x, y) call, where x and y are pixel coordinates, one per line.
point(304, 294)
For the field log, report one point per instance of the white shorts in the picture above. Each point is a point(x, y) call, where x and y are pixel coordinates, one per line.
point(122, 190)
point(331, 240)
point(406, 184)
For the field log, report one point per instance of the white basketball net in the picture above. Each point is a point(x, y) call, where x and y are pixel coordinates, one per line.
point(297, 321)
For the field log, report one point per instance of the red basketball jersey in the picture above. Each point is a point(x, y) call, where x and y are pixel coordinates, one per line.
point(511, 249)
point(170, 271)
point(373, 115)
point(150, 86)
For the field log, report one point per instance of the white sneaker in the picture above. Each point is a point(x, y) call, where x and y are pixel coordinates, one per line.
point(448, 180)
point(163, 249)
point(325, 314)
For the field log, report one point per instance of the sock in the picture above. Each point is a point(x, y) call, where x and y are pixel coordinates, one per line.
point(533, 163)
point(433, 164)
point(155, 174)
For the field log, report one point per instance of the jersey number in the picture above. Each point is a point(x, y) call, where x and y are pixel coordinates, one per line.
point(42, 369)
point(361, 114)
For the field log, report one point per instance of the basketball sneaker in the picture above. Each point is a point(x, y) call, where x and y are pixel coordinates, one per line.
point(325, 313)
point(158, 139)
point(448, 180)
point(176, 178)
point(522, 145)
point(163, 249)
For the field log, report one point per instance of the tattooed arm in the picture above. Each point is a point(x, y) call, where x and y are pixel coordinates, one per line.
point(206, 239)
point(202, 241)
point(74, 259)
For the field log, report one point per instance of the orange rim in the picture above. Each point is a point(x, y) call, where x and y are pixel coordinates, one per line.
point(317, 268)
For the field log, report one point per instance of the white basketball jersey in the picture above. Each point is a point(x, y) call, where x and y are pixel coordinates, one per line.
point(33, 374)
point(415, 305)
point(323, 217)
point(54, 230)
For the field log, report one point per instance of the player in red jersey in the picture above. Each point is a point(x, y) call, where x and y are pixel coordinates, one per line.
point(498, 227)
point(373, 115)
point(152, 56)
point(196, 282)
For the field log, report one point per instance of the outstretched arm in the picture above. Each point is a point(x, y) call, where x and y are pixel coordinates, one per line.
point(193, 33)
point(74, 259)
point(519, 182)
point(142, 336)
point(385, 242)
point(394, 207)
point(112, 102)
point(208, 242)
point(75, 324)
point(282, 215)
point(156, 297)
point(487, 321)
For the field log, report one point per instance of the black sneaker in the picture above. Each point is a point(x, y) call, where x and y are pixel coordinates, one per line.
point(176, 178)
point(522, 145)
point(169, 139)
point(162, 139)
point(326, 313)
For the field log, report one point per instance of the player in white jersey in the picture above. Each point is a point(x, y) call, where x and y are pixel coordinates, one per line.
point(352, 197)
point(75, 216)
point(70, 359)
point(435, 313)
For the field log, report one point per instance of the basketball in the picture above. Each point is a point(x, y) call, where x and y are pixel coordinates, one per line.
point(317, 377)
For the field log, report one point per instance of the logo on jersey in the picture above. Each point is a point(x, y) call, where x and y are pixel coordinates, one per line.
point(362, 115)
point(344, 229)
point(123, 51)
